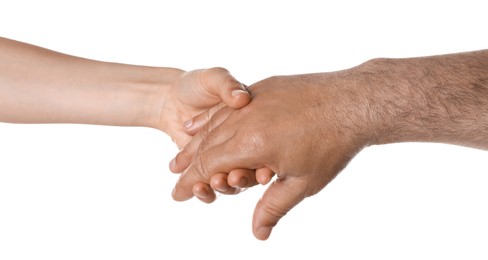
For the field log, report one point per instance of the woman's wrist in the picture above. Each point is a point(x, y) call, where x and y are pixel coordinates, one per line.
point(146, 90)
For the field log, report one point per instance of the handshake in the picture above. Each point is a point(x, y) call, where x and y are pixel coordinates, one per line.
point(297, 132)
point(303, 129)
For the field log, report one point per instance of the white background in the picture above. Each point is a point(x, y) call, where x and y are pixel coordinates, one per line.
point(97, 192)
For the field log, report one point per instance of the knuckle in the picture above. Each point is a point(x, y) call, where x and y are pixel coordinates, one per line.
point(230, 83)
point(212, 76)
point(222, 75)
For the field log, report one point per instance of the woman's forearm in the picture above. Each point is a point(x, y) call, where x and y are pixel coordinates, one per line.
point(41, 86)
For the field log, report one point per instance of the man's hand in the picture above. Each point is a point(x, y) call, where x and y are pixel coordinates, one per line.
point(305, 128)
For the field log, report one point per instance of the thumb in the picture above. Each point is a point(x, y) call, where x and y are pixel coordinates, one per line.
point(280, 197)
point(220, 83)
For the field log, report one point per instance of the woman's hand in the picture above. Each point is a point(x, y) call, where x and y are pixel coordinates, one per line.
point(193, 93)
point(38, 85)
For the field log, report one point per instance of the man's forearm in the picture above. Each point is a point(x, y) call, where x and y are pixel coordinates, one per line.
point(430, 99)
point(42, 86)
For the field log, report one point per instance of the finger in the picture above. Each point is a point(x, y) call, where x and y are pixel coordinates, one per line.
point(183, 159)
point(197, 172)
point(264, 175)
point(242, 178)
point(222, 157)
point(195, 124)
point(219, 183)
point(280, 197)
point(219, 82)
point(220, 151)
point(204, 193)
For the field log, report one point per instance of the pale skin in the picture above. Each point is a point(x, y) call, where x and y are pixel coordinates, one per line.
point(38, 85)
point(306, 128)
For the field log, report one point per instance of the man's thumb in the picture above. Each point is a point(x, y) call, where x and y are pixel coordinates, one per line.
point(280, 197)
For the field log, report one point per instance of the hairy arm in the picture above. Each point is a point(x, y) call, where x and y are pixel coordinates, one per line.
point(430, 99)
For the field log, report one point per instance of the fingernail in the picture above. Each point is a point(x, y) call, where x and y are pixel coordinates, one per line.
point(238, 92)
point(223, 189)
point(243, 183)
point(202, 194)
point(187, 124)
